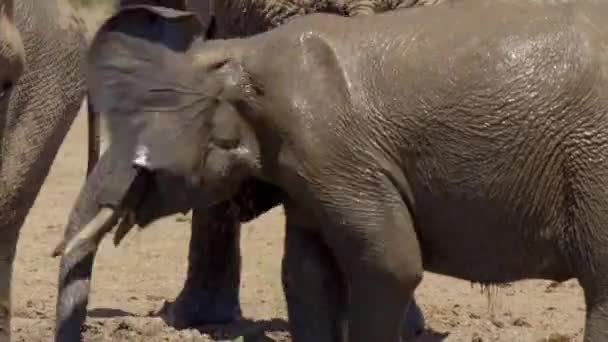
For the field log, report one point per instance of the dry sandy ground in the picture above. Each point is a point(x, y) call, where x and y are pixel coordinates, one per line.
point(132, 281)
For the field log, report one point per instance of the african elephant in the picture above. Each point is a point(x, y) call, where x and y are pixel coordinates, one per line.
point(42, 88)
point(479, 154)
point(211, 290)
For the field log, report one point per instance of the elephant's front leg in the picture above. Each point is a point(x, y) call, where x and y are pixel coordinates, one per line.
point(370, 231)
point(313, 285)
point(9, 235)
point(414, 323)
point(211, 290)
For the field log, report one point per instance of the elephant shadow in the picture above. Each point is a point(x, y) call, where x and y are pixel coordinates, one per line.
point(430, 335)
point(247, 330)
point(108, 313)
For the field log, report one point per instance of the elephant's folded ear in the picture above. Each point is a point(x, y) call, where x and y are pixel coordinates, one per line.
point(137, 56)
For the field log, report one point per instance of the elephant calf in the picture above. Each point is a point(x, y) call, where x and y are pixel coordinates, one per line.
point(480, 154)
point(210, 293)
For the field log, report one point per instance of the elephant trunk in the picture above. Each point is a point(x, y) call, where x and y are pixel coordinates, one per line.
point(75, 270)
point(108, 218)
point(105, 188)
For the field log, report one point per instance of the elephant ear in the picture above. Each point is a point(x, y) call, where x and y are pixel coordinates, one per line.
point(137, 57)
point(203, 8)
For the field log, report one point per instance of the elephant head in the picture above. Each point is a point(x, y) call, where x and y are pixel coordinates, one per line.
point(115, 192)
point(185, 124)
point(141, 65)
point(167, 129)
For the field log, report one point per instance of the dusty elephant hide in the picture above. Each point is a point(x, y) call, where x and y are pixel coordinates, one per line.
point(479, 154)
point(42, 75)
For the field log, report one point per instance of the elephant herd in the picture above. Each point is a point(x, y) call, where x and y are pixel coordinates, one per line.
point(462, 137)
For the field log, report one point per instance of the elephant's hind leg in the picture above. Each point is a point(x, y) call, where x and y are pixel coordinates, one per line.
point(584, 244)
point(595, 287)
point(596, 300)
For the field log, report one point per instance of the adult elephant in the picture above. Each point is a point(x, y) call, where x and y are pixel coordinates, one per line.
point(211, 290)
point(42, 46)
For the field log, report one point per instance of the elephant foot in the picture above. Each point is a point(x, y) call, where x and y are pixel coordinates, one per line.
point(196, 307)
point(199, 307)
point(5, 320)
point(414, 323)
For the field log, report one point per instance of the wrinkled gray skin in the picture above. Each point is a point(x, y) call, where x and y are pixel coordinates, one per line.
point(42, 84)
point(211, 290)
point(481, 154)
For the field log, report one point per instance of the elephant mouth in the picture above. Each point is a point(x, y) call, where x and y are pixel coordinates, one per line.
point(123, 215)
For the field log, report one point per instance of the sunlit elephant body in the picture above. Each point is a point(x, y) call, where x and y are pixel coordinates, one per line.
point(466, 139)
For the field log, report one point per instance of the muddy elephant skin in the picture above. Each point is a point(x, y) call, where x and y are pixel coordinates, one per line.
point(479, 154)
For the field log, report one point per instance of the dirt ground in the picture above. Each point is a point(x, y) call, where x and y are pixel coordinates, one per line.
point(131, 282)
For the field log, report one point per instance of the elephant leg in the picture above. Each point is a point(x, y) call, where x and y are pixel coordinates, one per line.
point(596, 325)
point(211, 290)
point(315, 290)
point(596, 299)
point(8, 248)
point(414, 323)
point(313, 285)
point(370, 231)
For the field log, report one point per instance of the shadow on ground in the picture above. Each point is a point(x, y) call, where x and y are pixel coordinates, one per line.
point(243, 330)
point(246, 329)
point(108, 313)
point(256, 331)
point(430, 335)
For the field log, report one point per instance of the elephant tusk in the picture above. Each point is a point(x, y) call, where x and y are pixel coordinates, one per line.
point(107, 218)
point(103, 222)
point(125, 226)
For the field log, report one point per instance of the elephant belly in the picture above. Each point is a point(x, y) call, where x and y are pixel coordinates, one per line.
point(482, 243)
